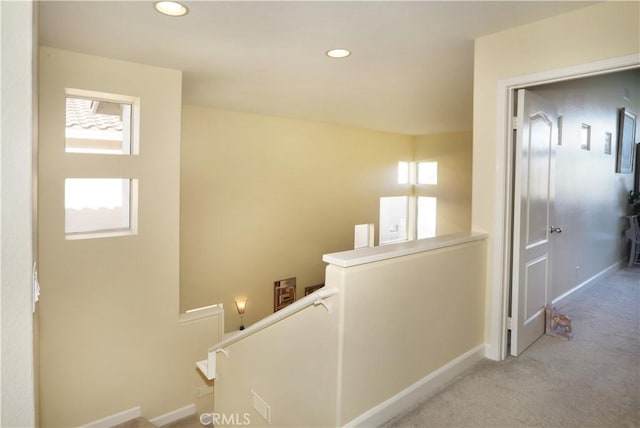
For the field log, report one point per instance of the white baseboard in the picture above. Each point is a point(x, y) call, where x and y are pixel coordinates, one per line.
point(419, 391)
point(611, 269)
point(174, 416)
point(116, 419)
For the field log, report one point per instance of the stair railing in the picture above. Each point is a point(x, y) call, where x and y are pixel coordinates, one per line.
point(208, 366)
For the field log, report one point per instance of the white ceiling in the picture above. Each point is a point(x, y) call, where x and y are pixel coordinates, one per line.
point(411, 70)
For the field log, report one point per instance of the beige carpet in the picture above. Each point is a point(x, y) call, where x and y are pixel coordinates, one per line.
point(188, 422)
point(140, 422)
point(591, 381)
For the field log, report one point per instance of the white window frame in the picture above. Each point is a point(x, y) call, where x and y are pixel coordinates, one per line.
point(111, 233)
point(134, 151)
point(119, 99)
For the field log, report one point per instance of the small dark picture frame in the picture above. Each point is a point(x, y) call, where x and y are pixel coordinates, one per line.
point(626, 141)
point(310, 289)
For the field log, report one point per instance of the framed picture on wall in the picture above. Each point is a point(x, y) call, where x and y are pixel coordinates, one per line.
point(626, 141)
point(310, 289)
point(284, 293)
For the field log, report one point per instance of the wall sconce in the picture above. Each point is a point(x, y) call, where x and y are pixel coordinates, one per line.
point(241, 304)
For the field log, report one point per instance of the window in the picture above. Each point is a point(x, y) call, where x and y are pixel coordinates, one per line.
point(100, 124)
point(427, 172)
point(420, 172)
point(405, 218)
point(99, 205)
point(403, 172)
point(426, 217)
point(393, 219)
point(97, 127)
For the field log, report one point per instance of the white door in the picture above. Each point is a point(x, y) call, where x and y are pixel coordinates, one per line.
point(533, 226)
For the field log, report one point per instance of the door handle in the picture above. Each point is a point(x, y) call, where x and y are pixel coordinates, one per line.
point(555, 229)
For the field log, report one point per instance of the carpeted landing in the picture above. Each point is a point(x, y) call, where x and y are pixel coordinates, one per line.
point(591, 381)
point(141, 422)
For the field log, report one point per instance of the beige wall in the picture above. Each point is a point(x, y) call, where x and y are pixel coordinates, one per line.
point(110, 338)
point(453, 154)
point(263, 198)
point(599, 32)
point(17, 391)
point(388, 303)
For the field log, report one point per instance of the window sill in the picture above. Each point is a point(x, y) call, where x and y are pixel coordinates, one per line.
point(96, 235)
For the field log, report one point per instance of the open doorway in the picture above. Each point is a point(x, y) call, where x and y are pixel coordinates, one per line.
point(590, 195)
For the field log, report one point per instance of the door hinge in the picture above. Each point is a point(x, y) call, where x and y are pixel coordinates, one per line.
point(514, 122)
point(508, 323)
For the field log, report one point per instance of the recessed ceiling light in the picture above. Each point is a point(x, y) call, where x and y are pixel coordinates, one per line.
point(338, 53)
point(171, 8)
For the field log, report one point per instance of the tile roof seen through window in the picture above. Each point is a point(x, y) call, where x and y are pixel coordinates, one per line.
point(83, 114)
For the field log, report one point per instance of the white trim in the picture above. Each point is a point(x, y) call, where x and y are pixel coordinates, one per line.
point(499, 285)
point(419, 391)
point(341, 345)
point(606, 272)
point(204, 312)
point(174, 416)
point(575, 72)
point(116, 419)
point(98, 235)
point(101, 96)
point(384, 252)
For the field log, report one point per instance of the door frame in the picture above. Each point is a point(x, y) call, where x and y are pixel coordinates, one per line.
point(502, 242)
